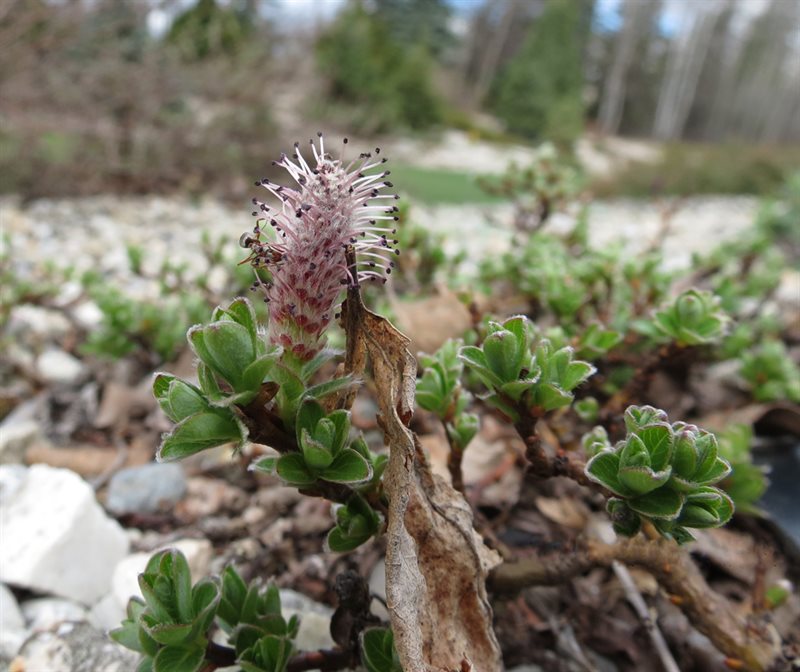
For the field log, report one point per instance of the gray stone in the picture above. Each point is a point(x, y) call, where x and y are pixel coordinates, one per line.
point(12, 624)
point(63, 542)
point(37, 322)
point(146, 489)
point(75, 647)
point(15, 437)
point(59, 368)
point(46, 612)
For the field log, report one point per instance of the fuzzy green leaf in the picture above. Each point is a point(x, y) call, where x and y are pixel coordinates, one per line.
point(663, 503)
point(603, 468)
point(348, 467)
point(179, 659)
point(199, 432)
point(292, 470)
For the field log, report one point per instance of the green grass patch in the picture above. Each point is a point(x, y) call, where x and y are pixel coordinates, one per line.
point(438, 187)
point(686, 169)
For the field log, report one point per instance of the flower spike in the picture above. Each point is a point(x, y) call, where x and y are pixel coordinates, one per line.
point(333, 206)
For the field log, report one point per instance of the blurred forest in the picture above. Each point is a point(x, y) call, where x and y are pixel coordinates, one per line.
point(157, 95)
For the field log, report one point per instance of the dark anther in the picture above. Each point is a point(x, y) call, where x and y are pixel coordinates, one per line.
point(344, 140)
point(319, 134)
point(388, 184)
point(297, 143)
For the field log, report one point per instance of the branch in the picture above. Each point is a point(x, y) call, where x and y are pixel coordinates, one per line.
point(749, 645)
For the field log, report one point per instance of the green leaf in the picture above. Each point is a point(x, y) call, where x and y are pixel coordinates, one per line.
point(161, 383)
point(503, 355)
point(348, 467)
point(639, 416)
point(265, 465)
point(694, 515)
point(603, 468)
point(576, 373)
point(183, 400)
point(341, 424)
point(179, 659)
point(128, 635)
point(517, 388)
point(292, 470)
point(642, 480)
point(634, 453)
point(718, 470)
point(181, 578)
point(241, 310)
point(205, 601)
point(145, 665)
point(663, 503)
point(377, 651)
point(258, 371)
point(464, 429)
point(208, 382)
point(338, 541)
point(234, 591)
point(626, 521)
point(550, 397)
point(658, 440)
point(684, 460)
point(595, 442)
point(231, 349)
point(199, 432)
point(169, 634)
point(475, 359)
point(155, 605)
point(330, 387)
point(315, 453)
point(308, 416)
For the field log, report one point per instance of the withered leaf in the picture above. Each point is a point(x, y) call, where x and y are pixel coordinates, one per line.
point(436, 564)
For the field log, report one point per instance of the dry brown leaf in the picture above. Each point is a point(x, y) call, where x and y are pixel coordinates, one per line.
point(432, 320)
point(564, 511)
point(436, 564)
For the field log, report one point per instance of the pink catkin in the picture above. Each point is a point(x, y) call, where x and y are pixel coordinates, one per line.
point(333, 205)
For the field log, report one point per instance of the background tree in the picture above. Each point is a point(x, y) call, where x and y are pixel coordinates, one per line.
point(539, 94)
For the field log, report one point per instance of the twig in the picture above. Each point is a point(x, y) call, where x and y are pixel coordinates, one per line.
point(751, 645)
point(640, 607)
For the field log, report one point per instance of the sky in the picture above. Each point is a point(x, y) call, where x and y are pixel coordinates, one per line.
point(675, 17)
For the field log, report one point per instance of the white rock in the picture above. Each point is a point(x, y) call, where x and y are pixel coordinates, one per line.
point(36, 321)
point(15, 438)
point(56, 537)
point(74, 647)
point(315, 620)
point(59, 367)
point(88, 315)
point(217, 279)
point(125, 580)
point(12, 624)
point(377, 586)
point(46, 612)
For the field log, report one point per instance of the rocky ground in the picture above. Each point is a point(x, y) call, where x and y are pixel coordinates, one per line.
point(79, 523)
